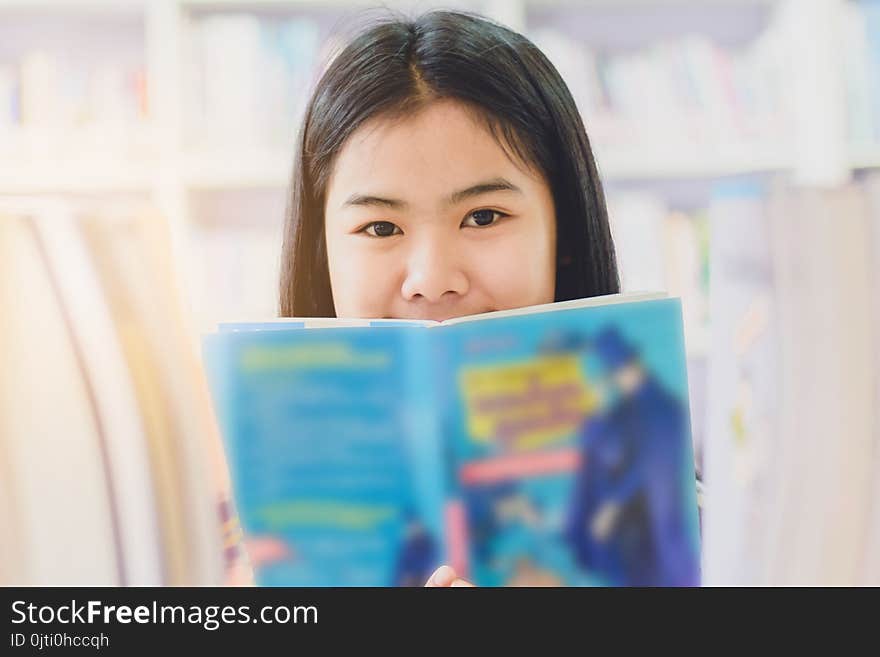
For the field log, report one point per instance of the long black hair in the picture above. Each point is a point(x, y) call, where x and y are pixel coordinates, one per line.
point(396, 67)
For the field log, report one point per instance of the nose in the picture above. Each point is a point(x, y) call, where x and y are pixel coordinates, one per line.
point(434, 270)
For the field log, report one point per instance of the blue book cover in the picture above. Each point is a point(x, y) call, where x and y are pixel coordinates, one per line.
point(544, 446)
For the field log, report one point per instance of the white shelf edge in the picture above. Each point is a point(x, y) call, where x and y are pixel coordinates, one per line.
point(205, 172)
point(864, 156)
point(673, 162)
point(257, 5)
point(249, 168)
point(259, 168)
point(104, 6)
point(82, 180)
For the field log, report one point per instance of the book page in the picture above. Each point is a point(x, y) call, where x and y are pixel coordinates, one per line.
point(605, 300)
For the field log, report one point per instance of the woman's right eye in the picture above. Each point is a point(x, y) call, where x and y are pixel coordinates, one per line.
point(381, 229)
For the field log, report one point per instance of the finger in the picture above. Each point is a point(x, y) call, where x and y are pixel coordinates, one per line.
point(263, 550)
point(461, 582)
point(443, 576)
point(239, 574)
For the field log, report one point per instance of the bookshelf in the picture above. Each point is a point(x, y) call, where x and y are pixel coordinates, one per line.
point(134, 123)
point(163, 29)
point(865, 156)
point(134, 128)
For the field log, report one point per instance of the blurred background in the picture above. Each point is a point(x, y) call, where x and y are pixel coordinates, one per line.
point(739, 142)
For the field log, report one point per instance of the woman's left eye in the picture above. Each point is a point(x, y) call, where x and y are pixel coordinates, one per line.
point(482, 218)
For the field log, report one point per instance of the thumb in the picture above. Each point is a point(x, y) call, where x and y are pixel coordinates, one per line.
point(445, 576)
point(266, 549)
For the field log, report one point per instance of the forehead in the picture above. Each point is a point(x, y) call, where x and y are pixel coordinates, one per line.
point(443, 146)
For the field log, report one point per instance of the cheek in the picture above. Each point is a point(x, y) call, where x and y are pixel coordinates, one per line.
point(362, 281)
point(517, 271)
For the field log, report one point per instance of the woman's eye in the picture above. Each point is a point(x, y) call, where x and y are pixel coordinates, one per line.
point(482, 218)
point(381, 229)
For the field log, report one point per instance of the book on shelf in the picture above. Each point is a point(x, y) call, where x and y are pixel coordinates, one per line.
point(548, 445)
point(704, 93)
point(860, 28)
point(249, 77)
point(52, 104)
point(106, 431)
point(791, 454)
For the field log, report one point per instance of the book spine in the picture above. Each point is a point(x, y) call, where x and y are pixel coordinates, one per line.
point(871, 10)
point(422, 408)
point(857, 58)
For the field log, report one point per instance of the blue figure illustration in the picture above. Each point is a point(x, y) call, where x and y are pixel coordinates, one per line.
point(628, 521)
point(418, 554)
point(509, 536)
point(484, 522)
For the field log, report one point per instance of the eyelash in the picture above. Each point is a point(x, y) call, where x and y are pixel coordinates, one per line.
point(366, 228)
point(499, 217)
point(397, 231)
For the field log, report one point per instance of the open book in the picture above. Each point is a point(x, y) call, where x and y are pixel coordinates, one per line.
point(541, 446)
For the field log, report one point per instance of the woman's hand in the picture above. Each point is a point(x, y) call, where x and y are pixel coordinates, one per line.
point(263, 550)
point(445, 576)
point(258, 551)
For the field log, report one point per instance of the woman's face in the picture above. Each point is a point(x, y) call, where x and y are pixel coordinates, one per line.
point(428, 218)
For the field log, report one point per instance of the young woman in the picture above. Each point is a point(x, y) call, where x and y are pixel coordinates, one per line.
point(442, 170)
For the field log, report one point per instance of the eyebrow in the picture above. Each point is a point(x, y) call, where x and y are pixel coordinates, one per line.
point(365, 200)
point(493, 185)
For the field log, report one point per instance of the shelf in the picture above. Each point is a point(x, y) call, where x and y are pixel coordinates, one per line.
point(236, 168)
point(275, 5)
point(78, 160)
point(580, 4)
point(672, 161)
point(67, 6)
point(272, 169)
point(233, 168)
point(865, 156)
point(697, 344)
point(77, 176)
